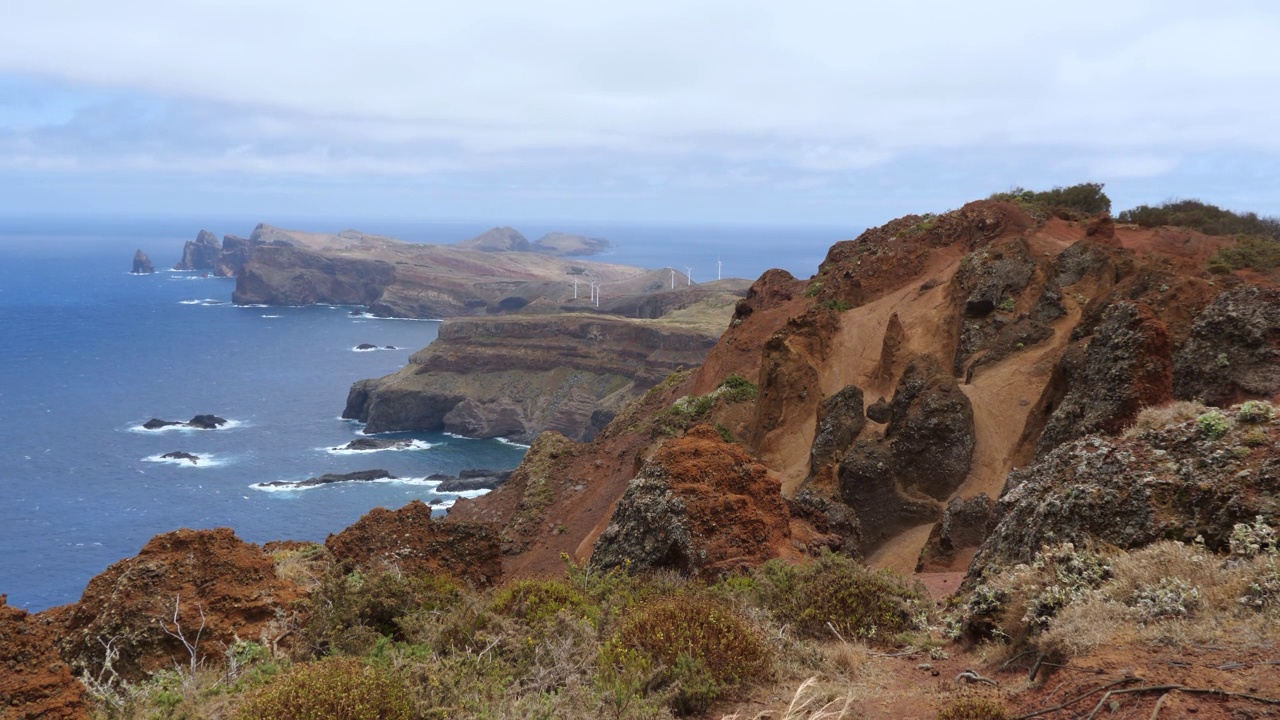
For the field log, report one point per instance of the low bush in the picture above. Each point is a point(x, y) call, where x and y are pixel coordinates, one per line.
point(838, 591)
point(703, 644)
point(331, 689)
point(350, 612)
point(1197, 215)
point(1083, 199)
point(973, 709)
point(1256, 411)
point(1213, 424)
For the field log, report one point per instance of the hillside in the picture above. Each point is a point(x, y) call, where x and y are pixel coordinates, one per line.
point(1055, 434)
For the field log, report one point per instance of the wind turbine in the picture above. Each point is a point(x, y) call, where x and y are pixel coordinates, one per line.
point(575, 287)
point(688, 275)
point(673, 279)
point(717, 267)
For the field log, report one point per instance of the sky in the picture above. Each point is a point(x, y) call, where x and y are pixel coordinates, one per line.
point(756, 112)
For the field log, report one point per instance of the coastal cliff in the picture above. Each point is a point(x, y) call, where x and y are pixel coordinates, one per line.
point(1011, 393)
point(516, 376)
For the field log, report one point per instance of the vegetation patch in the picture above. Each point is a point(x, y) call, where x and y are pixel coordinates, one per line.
point(1074, 201)
point(1201, 216)
point(331, 689)
point(834, 591)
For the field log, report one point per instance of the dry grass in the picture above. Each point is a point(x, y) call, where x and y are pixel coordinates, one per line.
point(1200, 594)
point(1163, 416)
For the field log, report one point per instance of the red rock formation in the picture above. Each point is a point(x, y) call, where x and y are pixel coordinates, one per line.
point(34, 680)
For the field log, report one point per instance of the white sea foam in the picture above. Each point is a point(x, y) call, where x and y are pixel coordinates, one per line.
point(413, 445)
point(230, 424)
point(359, 349)
point(270, 316)
point(421, 481)
point(459, 437)
point(253, 305)
point(371, 316)
point(205, 460)
point(512, 443)
point(190, 302)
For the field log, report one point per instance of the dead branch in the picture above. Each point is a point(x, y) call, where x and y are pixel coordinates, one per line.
point(1075, 699)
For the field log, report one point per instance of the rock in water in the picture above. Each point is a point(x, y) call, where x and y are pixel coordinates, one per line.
point(368, 444)
point(206, 422)
point(157, 423)
point(330, 478)
point(474, 480)
point(366, 346)
point(179, 455)
point(142, 264)
point(200, 254)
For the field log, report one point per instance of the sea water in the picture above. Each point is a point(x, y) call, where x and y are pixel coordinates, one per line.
point(89, 352)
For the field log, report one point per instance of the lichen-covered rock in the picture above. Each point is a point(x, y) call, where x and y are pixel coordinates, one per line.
point(869, 484)
point(840, 419)
point(701, 506)
point(1127, 366)
point(834, 525)
point(879, 411)
point(34, 680)
point(1177, 482)
point(411, 541)
point(965, 524)
point(1233, 353)
point(207, 577)
point(931, 432)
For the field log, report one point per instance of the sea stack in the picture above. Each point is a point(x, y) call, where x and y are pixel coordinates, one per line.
point(201, 253)
point(142, 264)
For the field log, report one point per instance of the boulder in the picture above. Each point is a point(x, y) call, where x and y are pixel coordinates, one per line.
point(964, 526)
point(879, 411)
point(840, 419)
point(179, 582)
point(206, 422)
point(1233, 353)
point(142, 264)
point(411, 541)
point(369, 444)
point(34, 680)
point(701, 506)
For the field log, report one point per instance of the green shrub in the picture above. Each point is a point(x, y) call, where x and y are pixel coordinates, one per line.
point(973, 709)
point(331, 689)
point(835, 589)
point(700, 628)
point(1008, 304)
point(1084, 199)
point(1213, 424)
point(536, 602)
point(1197, 215)
point(1250, 251)
point(1256, 411)
point(738, 389)
point(350, 612)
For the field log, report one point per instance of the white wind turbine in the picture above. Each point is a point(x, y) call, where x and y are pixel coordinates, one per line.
point(717, 267)
point(688, 275)
point(673, 279)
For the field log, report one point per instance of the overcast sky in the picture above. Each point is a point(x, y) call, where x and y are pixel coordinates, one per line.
point(763, 112)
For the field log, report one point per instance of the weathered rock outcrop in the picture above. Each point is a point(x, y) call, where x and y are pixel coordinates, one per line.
point(1176, 482)
point(1234, 350)
point(964, 526)
point(177, 583)
point(1125, 366)
point(411, 541)
point(201, 253)
point(330, 478)
point(518, 376)
point(701, 506)
point(34, 681)
point(142, 264)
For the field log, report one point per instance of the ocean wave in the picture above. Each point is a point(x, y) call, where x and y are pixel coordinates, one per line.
point(459, 437)
point(253, 305)
point(371, 316)
point(512, 443)
point(230, 425)
point(420, 482)
point(412, 445)
point(205, 460)
point(270, 316)
point(360, 349)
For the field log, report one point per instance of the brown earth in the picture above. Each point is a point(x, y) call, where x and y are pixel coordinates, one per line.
point(409, 540)
point(182, 581)
point(34, 680)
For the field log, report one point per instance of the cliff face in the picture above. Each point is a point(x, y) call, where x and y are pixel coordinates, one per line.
point(223, 259)
point(517, 376)
point(929, 358)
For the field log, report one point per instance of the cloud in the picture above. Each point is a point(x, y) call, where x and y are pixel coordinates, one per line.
point(705, 94)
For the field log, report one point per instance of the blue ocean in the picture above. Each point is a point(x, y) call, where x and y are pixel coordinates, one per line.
point(89, 352)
